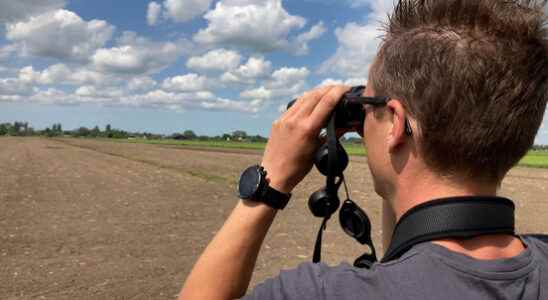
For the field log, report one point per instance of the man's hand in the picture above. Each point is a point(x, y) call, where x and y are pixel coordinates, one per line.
point(289, 154)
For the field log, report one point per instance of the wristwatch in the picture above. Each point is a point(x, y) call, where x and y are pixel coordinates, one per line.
point(253, 186)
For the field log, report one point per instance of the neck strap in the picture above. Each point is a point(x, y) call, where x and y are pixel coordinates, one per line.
point(456, 217)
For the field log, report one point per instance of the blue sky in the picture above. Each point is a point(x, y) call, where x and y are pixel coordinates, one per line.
point(213, 66)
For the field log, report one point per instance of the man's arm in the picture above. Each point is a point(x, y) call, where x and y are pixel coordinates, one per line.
point(224, 269)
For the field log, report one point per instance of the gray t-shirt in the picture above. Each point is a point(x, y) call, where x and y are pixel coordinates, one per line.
point(427, 271)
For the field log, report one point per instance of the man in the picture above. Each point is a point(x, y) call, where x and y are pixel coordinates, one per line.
point(471, 76)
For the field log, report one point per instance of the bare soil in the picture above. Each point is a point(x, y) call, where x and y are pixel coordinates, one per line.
point(84, 219)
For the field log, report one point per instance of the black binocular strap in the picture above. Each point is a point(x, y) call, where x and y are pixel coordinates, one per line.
point(457, 217)
point(317, 256)
point(332, 156)
point(331, 184)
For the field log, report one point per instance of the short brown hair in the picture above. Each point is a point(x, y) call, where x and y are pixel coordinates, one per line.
point(473, 73)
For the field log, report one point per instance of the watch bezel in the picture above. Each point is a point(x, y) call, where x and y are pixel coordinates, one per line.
point(259, 175)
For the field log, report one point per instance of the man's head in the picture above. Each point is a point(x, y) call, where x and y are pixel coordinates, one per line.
point(473, 77)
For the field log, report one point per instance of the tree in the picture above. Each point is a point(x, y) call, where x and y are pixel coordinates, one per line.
point(119, 134)
point(258, 139)
point(239, 135)
point(57, 129)
point(177, 136)
point(189, 135)
point(15, 130)
point(108, 131)
point(95, 132)
point(3, 129)
point(82, 131)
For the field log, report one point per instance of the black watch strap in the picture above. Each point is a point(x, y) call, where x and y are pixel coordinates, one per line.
point(274, 198)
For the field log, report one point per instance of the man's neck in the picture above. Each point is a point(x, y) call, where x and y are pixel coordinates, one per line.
point(431, 187)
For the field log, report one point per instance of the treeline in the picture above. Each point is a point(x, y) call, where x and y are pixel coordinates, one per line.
point(23, 129)
point(16, 129)
point(540, 148)
point(235, 136)
point(56, 130)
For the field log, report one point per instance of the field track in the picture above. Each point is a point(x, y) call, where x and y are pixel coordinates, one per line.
point(85, 219)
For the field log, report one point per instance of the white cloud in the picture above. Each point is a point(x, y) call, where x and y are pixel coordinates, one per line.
point(13, 10)
point(283, 94)
point(86, 76)
point(226, 104)
point(59, 97)
point(283, 85)
point(285, 77)
point(10, 98)
point(153, 12)
point(358, 44)
point(258, 93)
point(261, 25)
point(185, 83)
point(219, 59)
point(15, 87)
point(185, 10)
point(302, 40)
point(61, 74)
point(89, 91)
point(7, 51)
point(255, 68)
point(141, 84)
point(193, 100)
point(178, 93)
point(51, 96)
point(357, 50)
point(349, 81)
point(60, 34)
point(163, 98)
point(137, 55)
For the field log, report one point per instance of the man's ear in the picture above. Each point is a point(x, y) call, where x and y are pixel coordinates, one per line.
point(396, 136)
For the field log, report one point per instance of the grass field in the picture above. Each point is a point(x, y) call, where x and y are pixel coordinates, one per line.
point(536, 159)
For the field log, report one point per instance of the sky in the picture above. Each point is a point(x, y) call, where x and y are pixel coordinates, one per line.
point(212, 66)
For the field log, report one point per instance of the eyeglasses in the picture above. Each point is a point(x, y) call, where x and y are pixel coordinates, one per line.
point(356, 102)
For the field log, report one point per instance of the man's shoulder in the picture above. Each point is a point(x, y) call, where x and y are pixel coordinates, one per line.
point(343, 281)
point(539, 244)
point(425, 271)
point(538, 237)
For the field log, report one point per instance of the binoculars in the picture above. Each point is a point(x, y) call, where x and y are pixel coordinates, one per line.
point(349, 111)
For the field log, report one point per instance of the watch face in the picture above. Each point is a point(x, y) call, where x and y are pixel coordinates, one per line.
point(249, 182)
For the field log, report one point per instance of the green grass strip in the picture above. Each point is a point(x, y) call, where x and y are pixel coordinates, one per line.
point(535, 159)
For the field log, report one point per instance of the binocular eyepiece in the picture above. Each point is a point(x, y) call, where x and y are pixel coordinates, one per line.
point(349, 112)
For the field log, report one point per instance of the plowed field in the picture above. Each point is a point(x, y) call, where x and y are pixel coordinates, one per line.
point(85, 219)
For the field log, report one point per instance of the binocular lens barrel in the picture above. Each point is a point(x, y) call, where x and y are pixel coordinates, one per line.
point(349, 114)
